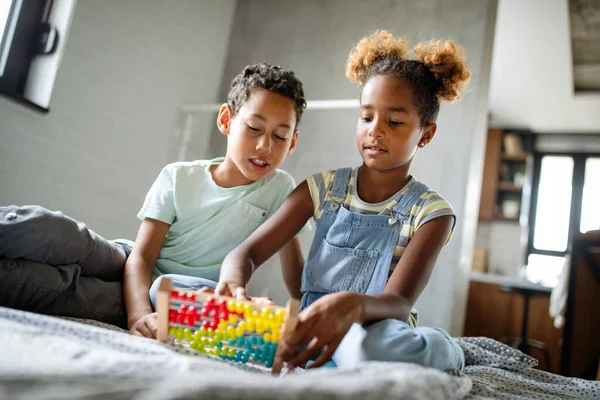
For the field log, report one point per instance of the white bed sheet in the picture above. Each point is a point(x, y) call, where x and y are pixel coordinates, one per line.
point(47, 357)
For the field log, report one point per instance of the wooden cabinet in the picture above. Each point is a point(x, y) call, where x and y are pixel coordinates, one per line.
point(487, 206)
point(496, 314)
point(506, 177)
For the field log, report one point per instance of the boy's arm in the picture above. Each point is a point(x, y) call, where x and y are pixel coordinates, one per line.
point(292, 263)
point(137, 277)
point(269, 238)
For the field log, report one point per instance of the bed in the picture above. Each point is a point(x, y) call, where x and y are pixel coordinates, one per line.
point(56, 358)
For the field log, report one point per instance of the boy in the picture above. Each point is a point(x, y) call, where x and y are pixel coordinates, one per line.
point(194, 214)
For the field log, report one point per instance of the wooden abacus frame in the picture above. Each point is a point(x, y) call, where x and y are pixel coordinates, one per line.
point(194, 298)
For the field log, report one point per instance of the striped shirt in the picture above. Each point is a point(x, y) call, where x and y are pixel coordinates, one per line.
point(430, 206)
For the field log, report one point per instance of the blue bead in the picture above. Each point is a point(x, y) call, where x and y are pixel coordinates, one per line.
point(219, 345)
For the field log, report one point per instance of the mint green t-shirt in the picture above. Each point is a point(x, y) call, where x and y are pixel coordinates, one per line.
point(207, 221)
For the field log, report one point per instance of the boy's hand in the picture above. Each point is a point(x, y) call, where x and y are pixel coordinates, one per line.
point(321, 327)
point(147, 326)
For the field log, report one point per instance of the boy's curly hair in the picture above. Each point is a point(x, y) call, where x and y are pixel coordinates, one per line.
point(269, 77)
point(440, 71)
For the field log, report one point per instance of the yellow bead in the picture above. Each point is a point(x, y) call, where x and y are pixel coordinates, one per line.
point(267, 337)
point(217, 351)
point(231, 306)
point(239, 306)
point(202, 332)
point(255, 314)
point(222, 325)
point(210, 333)
point(247, 310)
point(233, 318)
point(230, 329)
point(239, 332)
point(275, 338)
point(250, 326)
point(241, 325)
point(260, 328)
point(279, 314)
point(232, 352)
point(218, 337)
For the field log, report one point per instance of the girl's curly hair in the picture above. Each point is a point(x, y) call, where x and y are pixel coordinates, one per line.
point(439, 72)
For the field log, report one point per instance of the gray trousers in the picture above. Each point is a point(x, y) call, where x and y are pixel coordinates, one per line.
point(52, 264)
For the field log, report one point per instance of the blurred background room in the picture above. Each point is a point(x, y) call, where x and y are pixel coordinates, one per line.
point(119, 88)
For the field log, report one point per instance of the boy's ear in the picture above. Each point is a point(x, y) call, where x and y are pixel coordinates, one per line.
point(224, 119)
point(428, 134)
point(294, 141)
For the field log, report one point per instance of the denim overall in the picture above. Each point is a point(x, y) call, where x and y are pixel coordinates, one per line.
point(352, 252)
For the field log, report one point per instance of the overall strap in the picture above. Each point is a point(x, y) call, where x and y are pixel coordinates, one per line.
point(410, 198)
point(339, 187)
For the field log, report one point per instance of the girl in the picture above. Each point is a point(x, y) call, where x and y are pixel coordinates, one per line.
point(379, 230)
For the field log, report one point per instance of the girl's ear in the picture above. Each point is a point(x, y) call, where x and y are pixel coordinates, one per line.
point(428, 134)
point(224, 119)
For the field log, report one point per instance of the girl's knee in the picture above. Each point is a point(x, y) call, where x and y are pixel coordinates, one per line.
point(396, 341)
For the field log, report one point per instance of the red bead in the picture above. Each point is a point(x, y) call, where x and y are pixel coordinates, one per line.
point(182, 308)
point(213, 313)
point(181, 294)
point(210, 301)
point(174, 295)
point(191, 296)
point(192, 310)
point(213, 325)
point(180, 318)
point(204, 312)
point(205, 324)
point(191, 320)
point(224, 315)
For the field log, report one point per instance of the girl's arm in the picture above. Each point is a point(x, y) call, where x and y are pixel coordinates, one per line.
point(410, 275)
point(137, 277)
point(323, 325)
point(269, 238)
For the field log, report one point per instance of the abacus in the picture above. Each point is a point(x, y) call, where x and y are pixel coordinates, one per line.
point(222, 327)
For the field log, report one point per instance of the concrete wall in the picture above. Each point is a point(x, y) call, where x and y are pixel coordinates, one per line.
point(313, 38)
point(128, 68)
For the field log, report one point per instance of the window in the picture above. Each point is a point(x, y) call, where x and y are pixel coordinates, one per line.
point(590, 206)
point(566, 194)
point(21, 23)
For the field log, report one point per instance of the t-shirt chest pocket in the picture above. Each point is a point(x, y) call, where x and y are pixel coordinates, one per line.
point(247, 218)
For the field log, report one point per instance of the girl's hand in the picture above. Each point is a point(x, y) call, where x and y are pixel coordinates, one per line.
point(231, 289)
point(321, 327)
point(239, 292)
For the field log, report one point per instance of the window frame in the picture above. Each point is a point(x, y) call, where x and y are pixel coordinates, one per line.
point(23, 48)
point(579, 160)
